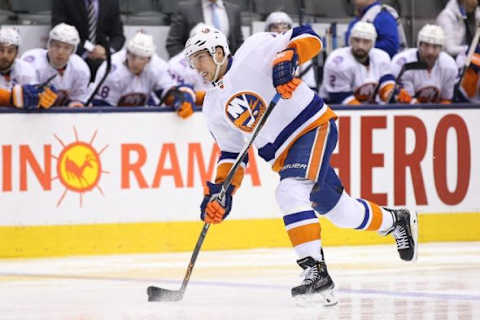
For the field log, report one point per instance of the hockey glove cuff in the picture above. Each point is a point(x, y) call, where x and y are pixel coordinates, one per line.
point(25, 96)
point(212, 209)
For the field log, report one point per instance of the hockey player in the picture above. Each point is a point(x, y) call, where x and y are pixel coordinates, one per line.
point(360, 73)
point(72, 73)
point(13, 70)
point(297, 140)
point(138, 72)
point(18, 77)
point(435, 83)
point(278, 22)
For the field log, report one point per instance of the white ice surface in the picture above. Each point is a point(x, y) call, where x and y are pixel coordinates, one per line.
point(372, 283)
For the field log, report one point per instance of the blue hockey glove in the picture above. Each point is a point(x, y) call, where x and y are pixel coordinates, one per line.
point(283, 74)
point(183, 101)
point(31, 97)
point(213, 210)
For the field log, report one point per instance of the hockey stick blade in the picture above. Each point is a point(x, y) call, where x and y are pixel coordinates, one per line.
point(415, 65)
point(160, 294)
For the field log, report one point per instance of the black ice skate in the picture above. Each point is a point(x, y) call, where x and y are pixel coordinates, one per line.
point(317, 285)
point(405, 232)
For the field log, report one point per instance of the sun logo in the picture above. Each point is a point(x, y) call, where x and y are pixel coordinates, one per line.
point(79, 167)
point(244, 110)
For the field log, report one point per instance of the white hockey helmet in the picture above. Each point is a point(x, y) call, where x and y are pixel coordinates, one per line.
point(65, 33)
point(142, 44)
point(209, 39)
point(364, 30)
point(198, 27)
point(10, 36)
point(278, 17)
point(431, 33)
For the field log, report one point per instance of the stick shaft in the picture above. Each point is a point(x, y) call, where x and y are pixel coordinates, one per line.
point(198, 246)
point(107, 71)
point(470, 53)
point(226, 184)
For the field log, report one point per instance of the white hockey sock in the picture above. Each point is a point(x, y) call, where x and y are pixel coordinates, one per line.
point(347, 213)
point(359, 214)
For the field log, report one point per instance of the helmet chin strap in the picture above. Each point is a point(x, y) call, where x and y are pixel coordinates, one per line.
point(218, 64)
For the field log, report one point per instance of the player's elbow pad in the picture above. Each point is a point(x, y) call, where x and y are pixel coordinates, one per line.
point(306, 42)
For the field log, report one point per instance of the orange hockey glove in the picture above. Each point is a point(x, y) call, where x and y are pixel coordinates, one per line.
point(47, 98)
point(403, 96)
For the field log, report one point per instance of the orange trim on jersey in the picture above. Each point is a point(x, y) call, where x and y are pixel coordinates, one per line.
point(377, 217)
point(445, 101)
point(324, 118)
point(307, 48)
point(469, 82)
point(317, 153)
point(222, 172)
point(199, 97)
point(304, 234)
point(5, 96)
point(385, 91)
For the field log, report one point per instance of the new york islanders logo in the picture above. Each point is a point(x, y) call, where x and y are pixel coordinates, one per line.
point(245, 109)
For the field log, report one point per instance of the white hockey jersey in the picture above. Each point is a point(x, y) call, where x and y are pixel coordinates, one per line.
point(21, 72)
point(346, 80)
point(180, 70)
point(235, 104)
point(427, 86)
point(123, 88)
point(72, 83)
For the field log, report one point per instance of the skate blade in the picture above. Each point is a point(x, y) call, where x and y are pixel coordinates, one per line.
point(414, 227)
point(325, 298)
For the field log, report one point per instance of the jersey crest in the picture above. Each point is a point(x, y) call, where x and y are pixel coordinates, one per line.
point(366, 92)
point(429, 94)
point(244, 110)
point(133, 100)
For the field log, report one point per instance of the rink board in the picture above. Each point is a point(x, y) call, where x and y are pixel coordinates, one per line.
point(118, 182)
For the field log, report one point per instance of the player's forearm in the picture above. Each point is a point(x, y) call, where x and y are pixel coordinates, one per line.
point(224, 165)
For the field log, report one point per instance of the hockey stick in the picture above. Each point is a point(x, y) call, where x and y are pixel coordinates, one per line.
point(161, 294)
point(471, 51)
point(107, 71)
point(415, 65)
point(46, 82)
